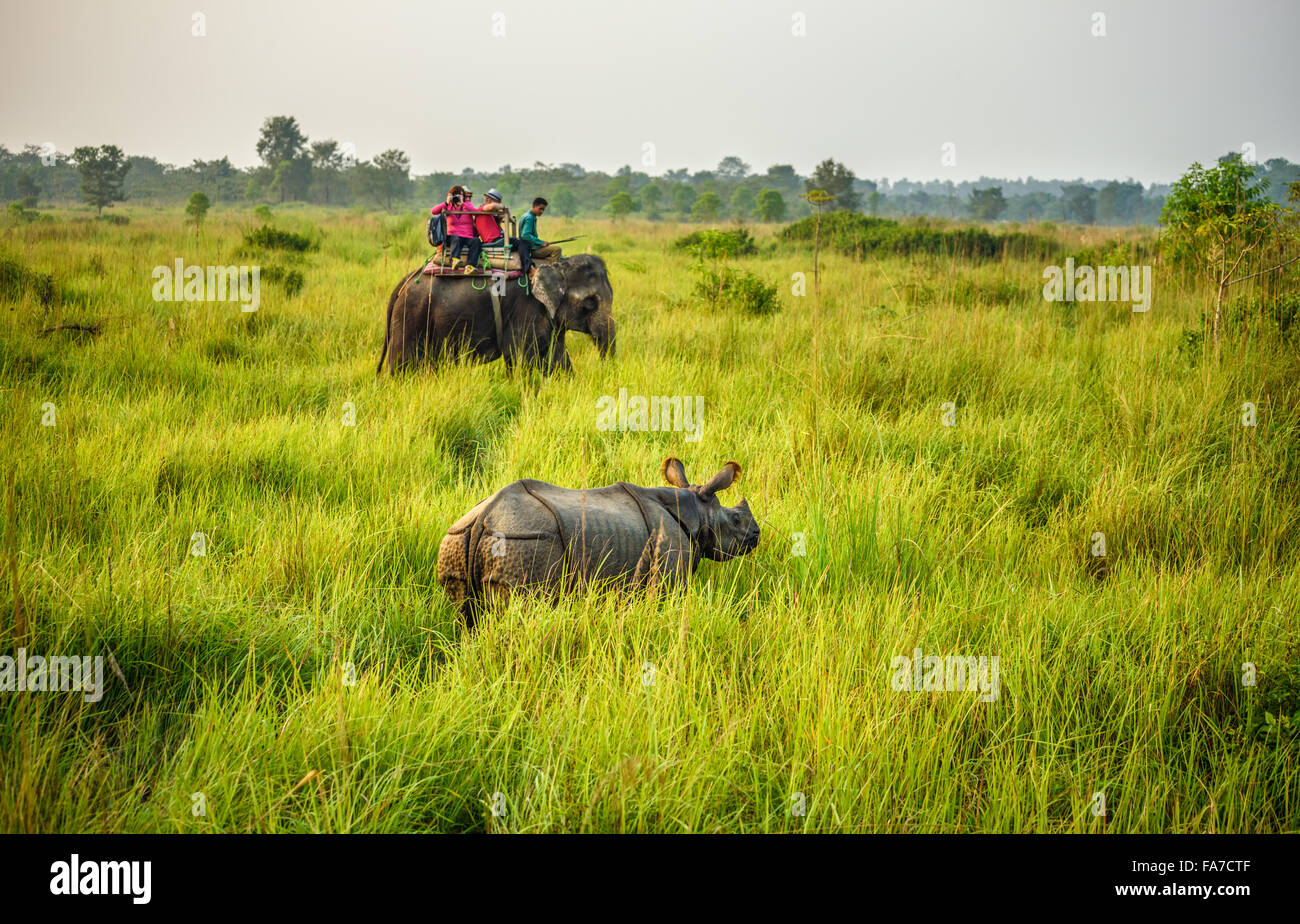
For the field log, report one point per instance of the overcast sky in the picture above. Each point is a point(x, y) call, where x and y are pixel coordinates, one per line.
point(1018, 88)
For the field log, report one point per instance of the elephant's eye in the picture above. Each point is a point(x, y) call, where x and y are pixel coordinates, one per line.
point(590, 303)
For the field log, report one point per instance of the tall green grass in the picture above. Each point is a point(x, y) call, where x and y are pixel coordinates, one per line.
point(771, 675)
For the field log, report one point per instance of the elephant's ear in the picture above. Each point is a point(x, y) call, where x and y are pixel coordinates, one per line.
point(548, 288)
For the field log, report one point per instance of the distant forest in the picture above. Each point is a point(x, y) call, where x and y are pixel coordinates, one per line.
point(297, 169)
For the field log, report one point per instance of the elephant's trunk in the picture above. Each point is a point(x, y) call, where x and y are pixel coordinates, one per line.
point(603, 335)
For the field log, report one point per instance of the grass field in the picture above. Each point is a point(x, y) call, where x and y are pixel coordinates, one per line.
point(307, 673)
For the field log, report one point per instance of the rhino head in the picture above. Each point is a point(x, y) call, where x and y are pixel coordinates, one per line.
point(717, 532)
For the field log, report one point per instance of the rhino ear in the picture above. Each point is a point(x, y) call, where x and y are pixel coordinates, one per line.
point(723, 480)
point(548, 288)
point(674, 472)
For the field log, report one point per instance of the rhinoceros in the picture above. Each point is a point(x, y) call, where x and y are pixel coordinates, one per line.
point(534, 535)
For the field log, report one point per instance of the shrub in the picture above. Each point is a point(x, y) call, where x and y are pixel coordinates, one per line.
point(16, 280)
point(1273, 713)
point(1190, 344)
point(714, 244)
point(18, 212)
point(1117, 253)
point(113, 219)
point(291, 280)
point(1277, 312)
point(732, 289)
point(268, 238)
point(854, 233)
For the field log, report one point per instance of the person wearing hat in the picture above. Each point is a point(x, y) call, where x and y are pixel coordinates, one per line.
point(487, 225)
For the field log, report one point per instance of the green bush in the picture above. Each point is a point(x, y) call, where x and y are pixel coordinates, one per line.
point(1278, 312)
point(268, 238)
point(1117, 253)
point(1273, 712)
point(20, 213)
point(854, 233)
point(714, 244)
point(291, 280)
point(16, 280)
point(735, 290)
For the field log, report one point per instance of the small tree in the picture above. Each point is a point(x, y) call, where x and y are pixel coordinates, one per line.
point(1080, 203)
point(817, 198)
point(987, 204)
point(873, 202)
point(564, 201)
point(103, 171)
point(1216, 217)
point(620, 204)
point(732, 168)
point(279, 140)
point(387, 177)
point(707, 207)
point(651, 194)
point(837, 180)
point(282, 147)
point(509, 186)
point(327, 164)
point(29, 191)
point(769, 206)
point(683, 196)
point(743, 202)
point(197, 208)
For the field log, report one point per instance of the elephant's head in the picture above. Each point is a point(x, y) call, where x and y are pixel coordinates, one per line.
point(722, 533)
point(576, 294)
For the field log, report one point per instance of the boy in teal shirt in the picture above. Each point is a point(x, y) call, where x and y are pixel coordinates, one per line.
point(530, 245)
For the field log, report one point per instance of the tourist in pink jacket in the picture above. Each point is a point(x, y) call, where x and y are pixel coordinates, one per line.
point(460, 227)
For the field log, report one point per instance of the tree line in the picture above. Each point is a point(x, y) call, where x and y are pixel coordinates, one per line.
point(294, 168)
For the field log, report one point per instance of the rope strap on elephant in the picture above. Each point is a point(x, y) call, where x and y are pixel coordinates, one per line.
point(496, 316)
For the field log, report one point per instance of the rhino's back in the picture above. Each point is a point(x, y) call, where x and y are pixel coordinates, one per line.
point(512, 511)
point(603, 529)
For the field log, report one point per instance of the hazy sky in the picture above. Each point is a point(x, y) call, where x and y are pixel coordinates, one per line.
point(1018, 87)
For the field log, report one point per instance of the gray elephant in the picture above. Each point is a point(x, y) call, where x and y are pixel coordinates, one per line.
point(533, 535)
point(434, 316)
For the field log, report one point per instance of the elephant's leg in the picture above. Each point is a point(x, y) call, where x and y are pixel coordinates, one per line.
point(413, 333)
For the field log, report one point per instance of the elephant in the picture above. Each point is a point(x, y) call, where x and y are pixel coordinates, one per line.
point(436, 316)
point(531, 535)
